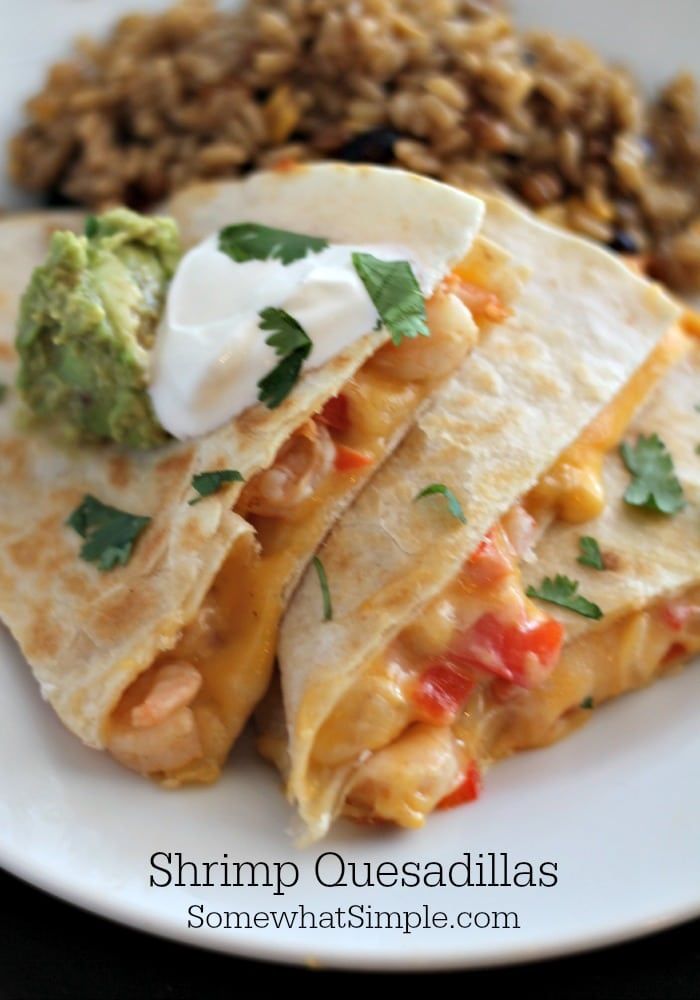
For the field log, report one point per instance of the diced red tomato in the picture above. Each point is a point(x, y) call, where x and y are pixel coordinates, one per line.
point(491, 561)
point(350, 458)
point(467, 791)
point(676, 615)
point(336, 413)
point(506, 650)
point(676, 651)
point(440, 692)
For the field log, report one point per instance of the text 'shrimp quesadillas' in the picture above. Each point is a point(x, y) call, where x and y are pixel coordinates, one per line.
point(185, 428)
point(400, 678)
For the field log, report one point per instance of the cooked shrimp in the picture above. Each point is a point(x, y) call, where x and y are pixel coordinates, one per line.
point(371, 715)
point(407, 779)
point(175, 686)
point(484, 305)
point(153, 728)
point(171, 744)
point(452, 335)
point(302, 462)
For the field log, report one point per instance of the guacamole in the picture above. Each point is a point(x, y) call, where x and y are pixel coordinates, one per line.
point(86, 326)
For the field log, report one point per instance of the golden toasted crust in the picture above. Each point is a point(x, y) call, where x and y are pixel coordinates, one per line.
point(581, 326)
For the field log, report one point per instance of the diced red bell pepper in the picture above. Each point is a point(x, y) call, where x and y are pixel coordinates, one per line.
point(506, 650)
point(675, 652)
point(467, 791)
point(350, 458)
point(440, 692)
point(490, 562)
point(336, 413)
point(677, 615)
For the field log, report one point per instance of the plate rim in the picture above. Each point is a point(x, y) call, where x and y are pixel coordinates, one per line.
point(328, 958)
point(273, 948)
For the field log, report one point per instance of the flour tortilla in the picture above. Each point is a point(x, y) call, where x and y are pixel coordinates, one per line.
point(654, 557)
point(87, 635)
point(582, 325)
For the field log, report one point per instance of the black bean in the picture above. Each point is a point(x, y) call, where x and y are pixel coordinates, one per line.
point(54, 198)
point(375, 146)
point(623, 242)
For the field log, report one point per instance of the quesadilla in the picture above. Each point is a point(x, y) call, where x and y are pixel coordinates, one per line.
point(162, 658)
point(648, 587)
point(422, 571)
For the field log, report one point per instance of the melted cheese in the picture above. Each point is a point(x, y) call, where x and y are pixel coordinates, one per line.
point(630, 653)
point(572, 490)
point(493, 725)
point(233, 641)
point(691, 322)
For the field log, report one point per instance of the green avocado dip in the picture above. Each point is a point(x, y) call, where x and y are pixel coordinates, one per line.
point(86, 326)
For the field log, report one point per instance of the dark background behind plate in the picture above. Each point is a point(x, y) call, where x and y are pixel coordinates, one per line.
point(49, 949)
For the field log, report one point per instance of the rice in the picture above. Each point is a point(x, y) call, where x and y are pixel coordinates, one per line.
point(443, 87)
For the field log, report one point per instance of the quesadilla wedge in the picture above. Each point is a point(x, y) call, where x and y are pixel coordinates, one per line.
point(648, 589)
point(370, 695)
point(162, 658)
point(622, 596)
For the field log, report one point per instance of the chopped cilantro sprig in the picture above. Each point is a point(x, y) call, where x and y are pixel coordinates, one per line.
point(110, 534)
point(590, 553)
point(208, 483)
point(252, 241)
point(293, 345)
point(453, 504)
point(564, 592)
point(325, 589)
point(396, 294)
point(654, 485)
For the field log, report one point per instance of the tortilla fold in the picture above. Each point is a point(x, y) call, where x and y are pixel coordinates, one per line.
point(582, 325)
point(89, 635)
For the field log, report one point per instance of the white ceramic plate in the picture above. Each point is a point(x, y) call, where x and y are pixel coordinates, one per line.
point(615, 806)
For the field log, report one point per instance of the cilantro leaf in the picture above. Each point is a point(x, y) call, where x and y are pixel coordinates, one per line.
point(590, 553)
point(453, 503)
point(697, 407)
point(563, 592)
point(325, 589)
point(396, 294)
point(110, 534)
point(3, 391)
point(289, 335)
point(654, 485)
point(91, 226)
point(207, 483)
point(587, 703)
point(251, 241)
point(293, 345)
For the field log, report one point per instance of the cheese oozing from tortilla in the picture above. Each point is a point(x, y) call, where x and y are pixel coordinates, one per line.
point(395, 744)
point(211, 351)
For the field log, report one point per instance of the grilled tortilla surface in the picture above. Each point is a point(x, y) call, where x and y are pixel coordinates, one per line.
point(582, 325)
point(88, 635)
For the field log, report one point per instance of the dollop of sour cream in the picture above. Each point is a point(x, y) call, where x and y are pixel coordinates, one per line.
point(210, 350)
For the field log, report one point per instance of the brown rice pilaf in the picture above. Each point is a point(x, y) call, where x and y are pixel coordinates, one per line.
point(447, 88)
